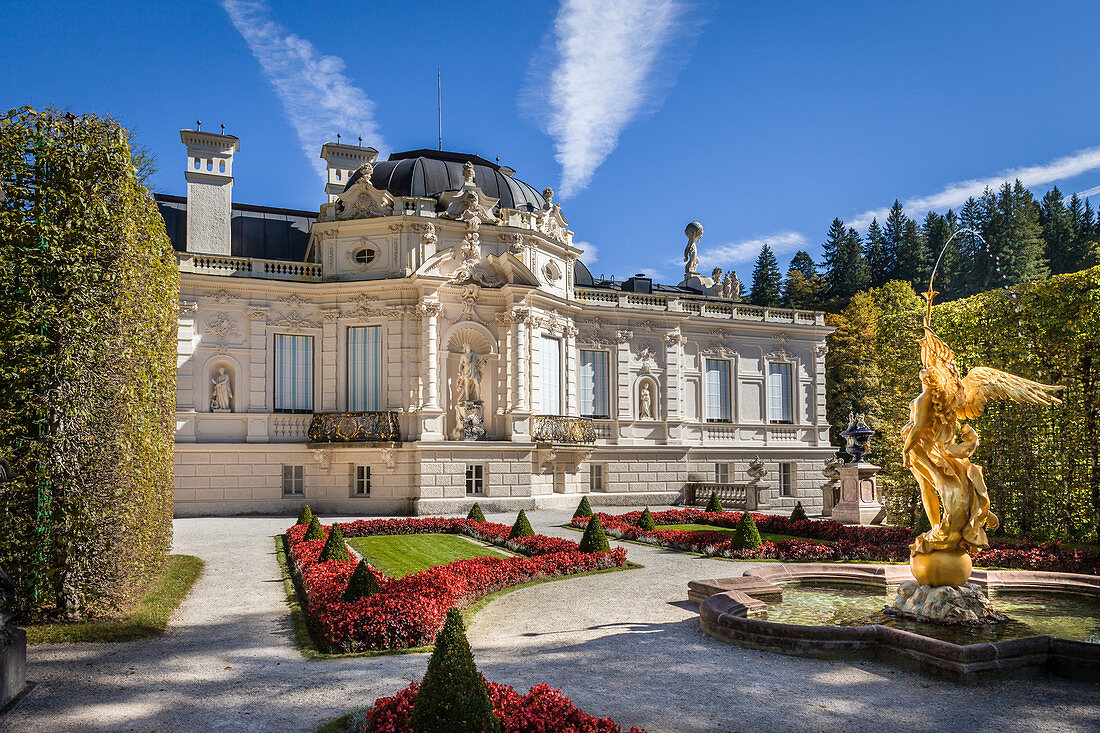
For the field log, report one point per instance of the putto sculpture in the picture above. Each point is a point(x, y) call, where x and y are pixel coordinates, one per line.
point(953, 490)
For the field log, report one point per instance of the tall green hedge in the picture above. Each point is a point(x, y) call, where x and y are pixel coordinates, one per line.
point(88, 309)
point(1042, 464)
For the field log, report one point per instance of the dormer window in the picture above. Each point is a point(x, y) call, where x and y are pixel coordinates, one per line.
point(365, 255)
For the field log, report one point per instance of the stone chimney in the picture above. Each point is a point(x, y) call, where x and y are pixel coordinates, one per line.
point(209, 174)
point(343, 161)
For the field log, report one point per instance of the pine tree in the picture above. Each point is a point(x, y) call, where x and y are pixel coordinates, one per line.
point(912, 257)
point(335, 548)
point(1019, 249)
point(972, 255)
point(892, 233)
point(522, 528)
point(879, 266)
point(767, 283)
point(803, 263)
point(1060, 230)
point(475, 513)
point(453, 696)
point(936, 230)
point(845, 266)
point(804, 288)
point(361, 584)
point(594, 539)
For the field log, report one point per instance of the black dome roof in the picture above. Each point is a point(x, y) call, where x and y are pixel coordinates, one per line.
point(428, 173)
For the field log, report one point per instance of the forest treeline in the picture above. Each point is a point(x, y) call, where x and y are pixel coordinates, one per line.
point(1020, 238)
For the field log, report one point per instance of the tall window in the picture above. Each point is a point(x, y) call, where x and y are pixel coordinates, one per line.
point(786, 479)
point(361, 487)
point(721, 473)
point(595, 477)
point(594, 381)
point(551, 376)
point(294, 480)
point(293, 373)
point(475, 479)
point(364, 368)
point(780, 395)
point(718, 390)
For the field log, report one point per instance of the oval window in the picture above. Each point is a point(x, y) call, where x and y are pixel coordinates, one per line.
point(365, 256)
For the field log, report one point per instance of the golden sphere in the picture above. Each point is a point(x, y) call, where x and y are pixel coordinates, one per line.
point(942, 567)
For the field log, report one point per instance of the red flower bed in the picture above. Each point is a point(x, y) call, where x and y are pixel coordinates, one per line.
point(409, 611)
point(844, 542)
point(542, 710)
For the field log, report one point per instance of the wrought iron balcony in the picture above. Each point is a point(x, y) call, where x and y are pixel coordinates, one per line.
point(354, 427)
point(558, 429)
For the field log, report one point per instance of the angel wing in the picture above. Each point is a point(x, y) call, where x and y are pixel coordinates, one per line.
point(933, 351)
point(981, 384)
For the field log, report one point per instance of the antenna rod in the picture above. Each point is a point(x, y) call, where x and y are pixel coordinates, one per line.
point(439, 97)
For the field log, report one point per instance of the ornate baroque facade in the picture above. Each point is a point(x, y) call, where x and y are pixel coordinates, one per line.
point(431, 337)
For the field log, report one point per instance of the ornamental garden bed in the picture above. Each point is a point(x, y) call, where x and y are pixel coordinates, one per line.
point(823, 541)
point(407, 612)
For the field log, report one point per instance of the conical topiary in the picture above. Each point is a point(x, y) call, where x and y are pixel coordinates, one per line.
point(475, 513)
point(584, 509)
point(594, 539)
point(799, 513)
point(305, 516)
point(714, 505)
point(315, 532)
point(453, 696)
point(522, 528)
point(361, 584)
point(745, 534)
point(646, 521)
point(335, 548)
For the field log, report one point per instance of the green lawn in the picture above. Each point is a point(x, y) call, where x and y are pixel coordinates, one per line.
point(766, 536)
point(148, 618)
point(398, 555)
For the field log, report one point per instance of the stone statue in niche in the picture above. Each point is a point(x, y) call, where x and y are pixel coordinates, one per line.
point(469, 409)
point(645, 401)
point(221, 398)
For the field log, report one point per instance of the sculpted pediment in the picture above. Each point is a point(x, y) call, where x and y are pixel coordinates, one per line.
point(361, 201)
point(491, 271)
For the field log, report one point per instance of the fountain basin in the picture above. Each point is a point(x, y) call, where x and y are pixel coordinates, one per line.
point(735, 610)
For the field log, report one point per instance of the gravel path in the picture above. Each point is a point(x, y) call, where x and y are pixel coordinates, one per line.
point(623, 644)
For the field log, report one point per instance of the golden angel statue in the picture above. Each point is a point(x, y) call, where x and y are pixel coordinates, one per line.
point(953, 490)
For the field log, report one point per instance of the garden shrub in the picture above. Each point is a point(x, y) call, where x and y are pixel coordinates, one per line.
point(745, 534)
point(475, 513)
point(361, 584)
point(315, 531)
point(646, 520)
point(799, 513)
point(594, 539)
point(922, 525)
point(522, 528)
point(335, 548)
point(584, 509)
point(89, 296)
point(305, 516)
point(453, 696)
point(714, 505)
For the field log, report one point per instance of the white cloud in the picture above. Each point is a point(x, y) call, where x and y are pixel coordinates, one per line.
point(1086, 193)
point(319, 99)
point(588, 256)
point(609, 58)
point(955, 194)
point(746, 251)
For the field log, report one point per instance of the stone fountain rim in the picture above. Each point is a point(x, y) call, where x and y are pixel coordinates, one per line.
point(726, 605)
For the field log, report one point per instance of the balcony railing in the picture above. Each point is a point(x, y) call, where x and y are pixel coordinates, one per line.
point(225, 266)
point(558, 429)
point(354, 427)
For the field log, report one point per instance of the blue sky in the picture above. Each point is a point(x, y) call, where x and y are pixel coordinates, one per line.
point(761, 120)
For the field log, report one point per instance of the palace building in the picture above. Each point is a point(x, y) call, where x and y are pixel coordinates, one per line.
point(429, 337)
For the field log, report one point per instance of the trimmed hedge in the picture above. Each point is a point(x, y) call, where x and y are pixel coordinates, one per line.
point(714, 505)
point(335, 548)
point(584, 509)
point(646, 520)
point(594, 539)
point(522, 528)
point(453, 696)
point(745, 534)
point(361, 584)
point(89, 294)
point(475, 513)
point(799, 513)
point(305, 516)
point(315, 531)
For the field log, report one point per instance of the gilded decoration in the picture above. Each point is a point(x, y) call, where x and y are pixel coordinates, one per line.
point(953, 490)
point(354, 427)
point(557, 429)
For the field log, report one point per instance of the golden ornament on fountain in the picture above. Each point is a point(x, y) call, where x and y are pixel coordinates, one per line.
point(953, 490)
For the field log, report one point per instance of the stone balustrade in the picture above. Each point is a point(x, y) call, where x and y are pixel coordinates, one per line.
point(558, 429)
point(225, 266)
point(700, 306)
point(732, 496)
